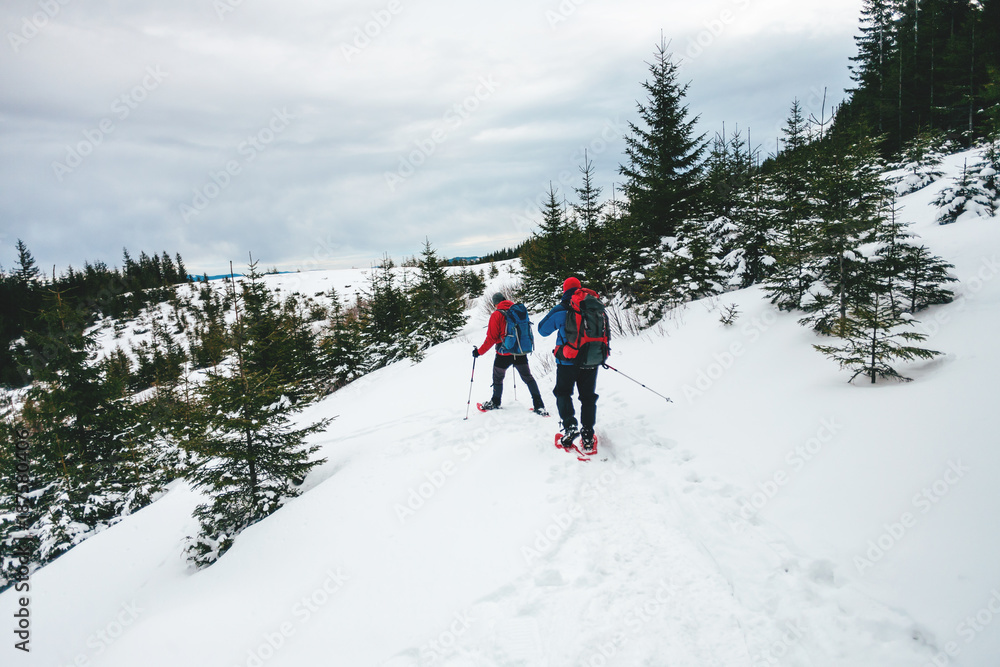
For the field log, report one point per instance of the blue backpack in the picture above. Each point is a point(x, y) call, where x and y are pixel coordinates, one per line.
point(519, 339)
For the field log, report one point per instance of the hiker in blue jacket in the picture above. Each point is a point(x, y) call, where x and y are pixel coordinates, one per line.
point(570, 375)
point(496, 330)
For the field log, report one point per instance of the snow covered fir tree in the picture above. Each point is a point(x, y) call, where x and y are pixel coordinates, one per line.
point(838, 291)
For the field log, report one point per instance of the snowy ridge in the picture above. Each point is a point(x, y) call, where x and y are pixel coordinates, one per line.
point(773, 515)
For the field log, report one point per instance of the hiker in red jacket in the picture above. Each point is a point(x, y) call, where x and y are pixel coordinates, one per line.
point(495, 332)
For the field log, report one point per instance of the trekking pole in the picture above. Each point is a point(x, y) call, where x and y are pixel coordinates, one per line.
point(468, 403)
point(668, 400)
point(514, 376)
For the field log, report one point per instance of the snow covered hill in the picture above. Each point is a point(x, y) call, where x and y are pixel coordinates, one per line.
point(772, 515)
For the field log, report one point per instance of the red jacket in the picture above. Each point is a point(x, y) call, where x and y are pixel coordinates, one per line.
point(497, 328)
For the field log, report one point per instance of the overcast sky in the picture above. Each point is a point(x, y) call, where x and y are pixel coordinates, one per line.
point(321, 134)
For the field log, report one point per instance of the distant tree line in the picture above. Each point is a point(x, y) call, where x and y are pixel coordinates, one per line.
point(96, 290)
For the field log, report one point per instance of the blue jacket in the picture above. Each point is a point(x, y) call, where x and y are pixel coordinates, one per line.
point(555, 320)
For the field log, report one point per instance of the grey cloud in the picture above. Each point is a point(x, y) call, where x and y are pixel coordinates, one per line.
point(318, 187)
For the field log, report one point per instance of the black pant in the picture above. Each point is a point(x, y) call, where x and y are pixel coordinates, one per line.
point(519, 362)
point(585, 381)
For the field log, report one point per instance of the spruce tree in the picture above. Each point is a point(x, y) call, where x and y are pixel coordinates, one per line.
point(874, 333)
point(746, 254)
point(663, 186)
point(436, 301)
point(663, 170)
point(250, 458)
point(691, 268)
point(728, 170)
point(548, 257)
point(87, 473)
point(26, 271)
point(873, 337)
point(593, 264)
point(386, 318)
point(965, 194)
point(341, 347)
point(850, 202)
point(788, 202)
point(471, 283)
point(922, 278)
point(921, 162)
point(986, 171)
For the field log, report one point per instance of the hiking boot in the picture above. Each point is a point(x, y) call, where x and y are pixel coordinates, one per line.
point(587, 441)
point(490, 405)
point(570, 434)
point(541, 411)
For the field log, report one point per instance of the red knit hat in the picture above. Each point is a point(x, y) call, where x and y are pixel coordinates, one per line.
point(571, 283)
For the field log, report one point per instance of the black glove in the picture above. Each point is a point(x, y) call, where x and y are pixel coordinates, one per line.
point(475, 352)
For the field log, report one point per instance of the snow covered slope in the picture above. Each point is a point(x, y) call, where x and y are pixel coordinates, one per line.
point(772, 515)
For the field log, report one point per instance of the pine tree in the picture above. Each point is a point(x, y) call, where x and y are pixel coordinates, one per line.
point(922, 278)
point(986, 171)
point(471, 283)
point(386, 318)
point(728, 171)
point(26, 271)
point(436, 301)
point(786, 199)
point(662, 174)
point(341, 353)
point(691, 268)
point(873, 336)
point(87, 473)
point(548, 257)
point(964, 194)
point(746, 253)
point(741, 226)
point(849, 201)
point(594, 263)
point(662, 171)
point(921, 162)
point(249, 458)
